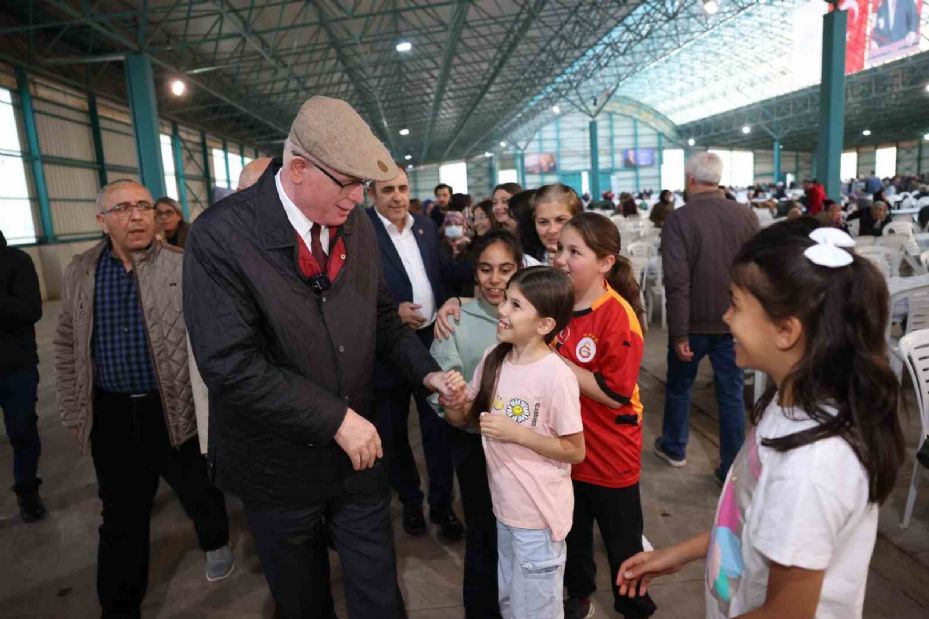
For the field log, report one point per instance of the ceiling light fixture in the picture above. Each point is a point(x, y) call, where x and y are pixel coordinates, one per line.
point(178, 87)
point(866, 132)
point(711, 7)
point(927, 87)
point(691, 142)
point(556, 109)
point(926, 136)
point(746, 129)
point(488, 154)
point(502, 144)
point(404, 46)
point(409, 166)
point(404, 132)
point(408, 157)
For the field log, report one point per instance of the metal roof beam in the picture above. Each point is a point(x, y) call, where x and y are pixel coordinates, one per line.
point(454, 33)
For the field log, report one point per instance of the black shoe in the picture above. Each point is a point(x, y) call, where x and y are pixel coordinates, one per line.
point(575, 608)
point(31, 508)
point(414, 523)
point(450, 528)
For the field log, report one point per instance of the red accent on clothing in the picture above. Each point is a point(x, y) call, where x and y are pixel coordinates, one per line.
point(816, 197)
point(607, 340)
point(310, 267)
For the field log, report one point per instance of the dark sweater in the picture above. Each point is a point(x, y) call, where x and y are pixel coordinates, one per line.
point(20, 309)
point(698, 244)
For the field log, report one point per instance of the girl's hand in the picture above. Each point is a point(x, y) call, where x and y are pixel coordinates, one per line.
point(637, 571)
point(501, 428)
point(443, 326)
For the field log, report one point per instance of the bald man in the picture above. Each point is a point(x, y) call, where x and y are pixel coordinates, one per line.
point(252, 172)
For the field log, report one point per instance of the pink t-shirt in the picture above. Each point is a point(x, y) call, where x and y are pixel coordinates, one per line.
point(530, 491)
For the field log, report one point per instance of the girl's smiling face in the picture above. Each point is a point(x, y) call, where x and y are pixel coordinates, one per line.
point(495, 266)
point(754, 333)
point(550, 218)
point(519, 322)
point(579, 262)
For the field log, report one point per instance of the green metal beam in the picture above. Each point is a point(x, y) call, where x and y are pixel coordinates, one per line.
point(226, 160)
point(832, 102)
point(208, 176)
point(594, 160)
point(97, 137)
point(520, 157)
point(35, 155)
point(635, 148)
point(459, 14)
point(140, 86)
point(525, 25)
point(777, 160)
point(179, 173)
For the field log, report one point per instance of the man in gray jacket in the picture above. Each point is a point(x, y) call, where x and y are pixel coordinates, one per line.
point(124, 387)
point(698, 244)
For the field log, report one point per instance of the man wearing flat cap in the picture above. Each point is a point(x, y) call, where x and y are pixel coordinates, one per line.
point(286, 307)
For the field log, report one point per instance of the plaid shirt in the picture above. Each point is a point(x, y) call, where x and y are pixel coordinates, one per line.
point(120, 345)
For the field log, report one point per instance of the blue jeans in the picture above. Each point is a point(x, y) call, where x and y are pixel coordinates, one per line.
point(530, 573)
point(18, 393)
point(728, 380)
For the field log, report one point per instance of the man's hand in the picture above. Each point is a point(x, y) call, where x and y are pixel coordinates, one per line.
point(358, 438)
point(443, 326)
point(409, 314)
point(449, 385)
point(682, 349)
point(500, 427)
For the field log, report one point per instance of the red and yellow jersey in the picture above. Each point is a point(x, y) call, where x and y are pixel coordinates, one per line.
point(607, 341)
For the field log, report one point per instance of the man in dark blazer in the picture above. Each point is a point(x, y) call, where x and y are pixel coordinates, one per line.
point(895, 21)
point(286, 307)
point(409, 248)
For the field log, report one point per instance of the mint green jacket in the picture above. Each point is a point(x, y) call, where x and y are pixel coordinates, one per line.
point(464, 350)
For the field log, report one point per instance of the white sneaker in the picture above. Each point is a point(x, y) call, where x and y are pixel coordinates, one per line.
point(219, 563)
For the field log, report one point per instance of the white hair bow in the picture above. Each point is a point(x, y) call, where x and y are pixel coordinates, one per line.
point(829, 249)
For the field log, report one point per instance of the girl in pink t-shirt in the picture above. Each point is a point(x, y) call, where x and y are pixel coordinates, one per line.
point(528, 408)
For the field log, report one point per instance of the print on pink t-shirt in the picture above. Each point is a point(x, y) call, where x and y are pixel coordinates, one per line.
point(530, 491)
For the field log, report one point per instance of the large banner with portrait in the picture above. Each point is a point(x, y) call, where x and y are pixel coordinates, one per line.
point(880, 31)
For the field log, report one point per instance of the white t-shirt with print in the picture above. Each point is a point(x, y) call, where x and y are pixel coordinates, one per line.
point(807, 507)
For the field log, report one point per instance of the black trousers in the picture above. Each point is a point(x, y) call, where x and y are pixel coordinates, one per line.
point(480, 566)
point(291, 545)
point(392, 413)
point(130, 449)
point(618, 512)
point(18, 393)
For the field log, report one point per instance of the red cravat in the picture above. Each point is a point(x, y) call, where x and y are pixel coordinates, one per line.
point(316, 247)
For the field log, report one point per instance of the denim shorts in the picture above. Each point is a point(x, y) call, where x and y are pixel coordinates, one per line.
point(530, 573)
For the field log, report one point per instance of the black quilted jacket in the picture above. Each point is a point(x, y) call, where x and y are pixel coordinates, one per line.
point(283, 362)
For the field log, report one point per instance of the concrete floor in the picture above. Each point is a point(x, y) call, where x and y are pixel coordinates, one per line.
point(48, 569)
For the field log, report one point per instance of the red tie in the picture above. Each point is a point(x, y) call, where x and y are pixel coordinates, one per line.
point(316, 247)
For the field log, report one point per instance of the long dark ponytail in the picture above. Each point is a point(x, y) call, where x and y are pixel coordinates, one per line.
point(602, 237)
point(844, 313)
point(550, 293)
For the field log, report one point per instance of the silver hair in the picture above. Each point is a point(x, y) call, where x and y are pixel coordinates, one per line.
point(706, 168)
point(101, 195)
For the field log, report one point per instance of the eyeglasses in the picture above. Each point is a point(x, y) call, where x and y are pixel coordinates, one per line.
point(123, 209)
point(345, 187)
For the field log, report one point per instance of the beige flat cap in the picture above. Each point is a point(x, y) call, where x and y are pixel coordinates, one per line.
point(333, 133)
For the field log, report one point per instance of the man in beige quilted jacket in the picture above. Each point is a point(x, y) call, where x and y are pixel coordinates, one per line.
point(124, 388)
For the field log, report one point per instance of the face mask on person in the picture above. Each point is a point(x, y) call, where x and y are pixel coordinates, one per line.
point(454, 232)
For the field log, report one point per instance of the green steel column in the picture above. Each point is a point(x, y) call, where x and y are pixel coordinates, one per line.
point(179, 170)
point(521, 168)
point(832, 102)
point(557, 145)
point(35, 155)
point(660, 160)
point(97, 137)
point(140, 85)
point(777, 160)
point(594, 161)
point(796, 166)
point(919, 156)
point(493, 172)
point(208, 177)
point(612, 145)
point(635, 150)
point(226, 159)
point(241, 158)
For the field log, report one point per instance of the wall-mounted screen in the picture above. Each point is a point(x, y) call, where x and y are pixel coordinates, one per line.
point(638, 157)
point(541, 163)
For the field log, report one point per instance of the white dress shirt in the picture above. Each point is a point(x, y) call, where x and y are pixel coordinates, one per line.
point(408, 248)
point(298, 220)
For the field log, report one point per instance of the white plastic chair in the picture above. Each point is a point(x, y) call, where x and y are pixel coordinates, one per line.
point(924, 259)
point(899, 227)
point(881, 255)
point(641, 249)
point(655, 294)
point(916, 319)
point(914, 348)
